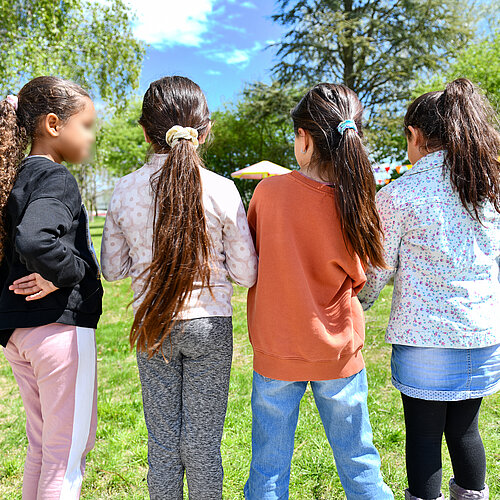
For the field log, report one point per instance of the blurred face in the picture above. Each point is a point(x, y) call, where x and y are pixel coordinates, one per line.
point(76, 135)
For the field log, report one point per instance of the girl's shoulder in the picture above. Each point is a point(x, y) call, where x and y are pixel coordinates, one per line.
point(210, 177)
point(46, 175)
point(41, 178)
point(43, 167)
point(218, 186)
point(135, 179)
point(274, 184)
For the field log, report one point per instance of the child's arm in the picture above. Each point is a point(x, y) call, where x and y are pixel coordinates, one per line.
point(115, 252)
point(390, 218)
point(38, 242)
point(241, 260)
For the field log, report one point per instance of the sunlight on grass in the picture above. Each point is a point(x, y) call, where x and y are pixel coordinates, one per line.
point(117, 467)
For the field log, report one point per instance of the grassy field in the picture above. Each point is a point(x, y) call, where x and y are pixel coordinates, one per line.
point(117, 466)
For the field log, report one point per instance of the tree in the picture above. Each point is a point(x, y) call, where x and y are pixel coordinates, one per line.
point(88, 42)
point(121, 147)
point(479, 62)
point(375, 47)
point(258, 127)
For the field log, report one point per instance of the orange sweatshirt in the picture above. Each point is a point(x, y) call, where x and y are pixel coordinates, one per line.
point(304, 319)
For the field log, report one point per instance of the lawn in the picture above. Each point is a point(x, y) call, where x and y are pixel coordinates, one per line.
point(117, 466)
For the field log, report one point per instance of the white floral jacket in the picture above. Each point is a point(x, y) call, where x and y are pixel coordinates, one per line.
point(445, 264)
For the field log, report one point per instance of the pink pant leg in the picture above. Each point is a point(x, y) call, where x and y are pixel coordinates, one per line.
point(64, 364)
point(25, 377)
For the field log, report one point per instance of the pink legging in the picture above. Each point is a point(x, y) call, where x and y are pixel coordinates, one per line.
point(55, 367)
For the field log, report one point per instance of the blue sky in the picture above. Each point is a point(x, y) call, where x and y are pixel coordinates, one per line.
point(220, 44)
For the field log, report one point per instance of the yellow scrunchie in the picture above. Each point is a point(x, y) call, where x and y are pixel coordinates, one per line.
point(177, 132)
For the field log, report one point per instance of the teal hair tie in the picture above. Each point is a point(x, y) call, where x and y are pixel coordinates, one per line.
point(345, 125)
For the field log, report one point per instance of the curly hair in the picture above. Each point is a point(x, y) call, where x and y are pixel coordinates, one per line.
point(39, 97)
point(13, 143)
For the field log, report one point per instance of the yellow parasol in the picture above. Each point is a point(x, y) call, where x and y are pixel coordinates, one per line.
point(260, 170)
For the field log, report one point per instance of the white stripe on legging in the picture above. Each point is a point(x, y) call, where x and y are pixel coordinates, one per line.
point(84, 401)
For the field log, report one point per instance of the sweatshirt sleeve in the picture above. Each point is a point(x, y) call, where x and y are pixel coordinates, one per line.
point(115, 252)
point(392, 227)
point(49, 215)
point(241, 260)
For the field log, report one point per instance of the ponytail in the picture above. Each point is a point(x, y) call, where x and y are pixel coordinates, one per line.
point(181, 242)
point(341, 158)
point(460, 120)
point(13, 144)
point(353, 175)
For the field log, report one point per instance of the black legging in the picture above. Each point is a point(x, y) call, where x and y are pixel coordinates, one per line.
point(426, 422)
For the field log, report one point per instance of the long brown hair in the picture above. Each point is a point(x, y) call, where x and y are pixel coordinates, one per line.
point(39, 97)
point(343, 160)
point(181, 243)
point(460, 120)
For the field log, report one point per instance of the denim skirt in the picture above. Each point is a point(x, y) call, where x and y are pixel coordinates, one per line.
point(442, 374)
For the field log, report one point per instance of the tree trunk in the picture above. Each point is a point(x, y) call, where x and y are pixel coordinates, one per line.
point(348, 49)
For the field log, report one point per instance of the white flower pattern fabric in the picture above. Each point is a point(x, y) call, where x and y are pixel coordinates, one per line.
point(128, 235)
point(445, 264)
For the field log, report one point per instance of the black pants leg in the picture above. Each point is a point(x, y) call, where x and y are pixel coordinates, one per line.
point(426, 422)
point(465, 444)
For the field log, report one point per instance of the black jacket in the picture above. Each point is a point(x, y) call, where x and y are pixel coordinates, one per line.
point(48, 233)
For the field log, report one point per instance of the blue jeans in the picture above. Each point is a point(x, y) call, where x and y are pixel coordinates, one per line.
point(344, 413)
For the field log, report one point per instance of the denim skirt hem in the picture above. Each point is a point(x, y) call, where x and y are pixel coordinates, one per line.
point(445, 374)
point(433, 395)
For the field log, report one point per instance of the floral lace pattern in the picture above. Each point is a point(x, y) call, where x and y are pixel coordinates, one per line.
point(128, 235)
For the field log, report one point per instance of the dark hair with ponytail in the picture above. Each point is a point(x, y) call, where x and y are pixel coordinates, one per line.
point(460, 120)
point(181, 243)
point(38, 98)
point(343, 160)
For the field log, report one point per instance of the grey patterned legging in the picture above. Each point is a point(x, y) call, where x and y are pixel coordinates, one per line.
point(185, 402)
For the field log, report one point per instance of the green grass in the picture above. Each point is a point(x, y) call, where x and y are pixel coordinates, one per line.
point(117, 466)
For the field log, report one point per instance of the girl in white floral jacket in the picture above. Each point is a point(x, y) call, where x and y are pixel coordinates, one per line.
point(442, 240)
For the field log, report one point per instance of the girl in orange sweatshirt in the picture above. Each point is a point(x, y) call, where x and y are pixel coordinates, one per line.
point(315, 230)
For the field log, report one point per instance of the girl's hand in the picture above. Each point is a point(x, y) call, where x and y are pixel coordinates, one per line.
point(34, 286)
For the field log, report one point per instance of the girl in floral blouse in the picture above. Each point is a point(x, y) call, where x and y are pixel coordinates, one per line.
point(180, 232)
point(442, 240)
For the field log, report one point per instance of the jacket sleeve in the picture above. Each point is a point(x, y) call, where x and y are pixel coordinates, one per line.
point(241, 260)
point(115, 252)
point(391, 221)
point(38, 242)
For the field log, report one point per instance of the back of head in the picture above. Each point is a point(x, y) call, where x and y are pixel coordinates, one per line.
point(460, 120)
point(174, 114)
point(20, 117)
point(332, 114)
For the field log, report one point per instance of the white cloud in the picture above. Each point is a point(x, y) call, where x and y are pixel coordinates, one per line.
point(233, 55)
point(213, 72)
point(247, 4)
point(168, 22)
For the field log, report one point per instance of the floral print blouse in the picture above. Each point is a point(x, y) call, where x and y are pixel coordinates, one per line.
point(128, 234)
point(445, 264)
